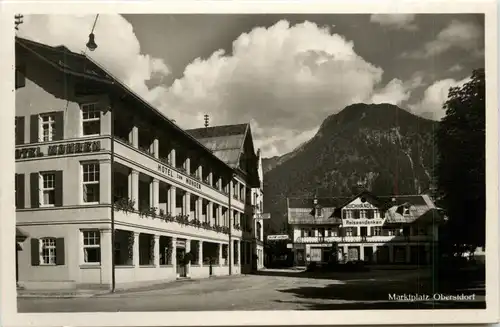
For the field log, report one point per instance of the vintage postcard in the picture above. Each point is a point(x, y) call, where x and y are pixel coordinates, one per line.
point(249, 163)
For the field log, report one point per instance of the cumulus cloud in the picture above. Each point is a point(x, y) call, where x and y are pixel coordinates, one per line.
point(397, 21)
point(431, 104)
point(458, 34)
point(396, 91)
point(455, 68)
point(286, 78)
point(118, 48)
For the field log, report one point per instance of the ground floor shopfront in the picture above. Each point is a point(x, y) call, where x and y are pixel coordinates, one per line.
point(62, 256)
point(378, 253)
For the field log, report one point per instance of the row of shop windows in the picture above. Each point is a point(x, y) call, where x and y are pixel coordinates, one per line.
point(361, 231)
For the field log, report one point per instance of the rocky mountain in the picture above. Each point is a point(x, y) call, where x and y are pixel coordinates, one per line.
point(383, 147)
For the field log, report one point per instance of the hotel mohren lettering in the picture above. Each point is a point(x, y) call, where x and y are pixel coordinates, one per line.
point(111, 192)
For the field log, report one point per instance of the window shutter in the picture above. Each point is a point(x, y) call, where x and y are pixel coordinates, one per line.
point(34, 126)
point(302, 232)
point(354, 231)
point(59, 122)
point(20, 76)
point(35, 190)
point(58, 195)
point(20, 191)
point(342, 231)
point(19, 130)
point(60, 255)
point(35, 252)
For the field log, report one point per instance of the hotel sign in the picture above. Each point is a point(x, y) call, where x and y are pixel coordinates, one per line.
point(179, 177)
point(59, 149)
point(371, 222)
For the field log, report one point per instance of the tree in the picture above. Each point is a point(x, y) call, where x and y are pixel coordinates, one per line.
point(460, 169)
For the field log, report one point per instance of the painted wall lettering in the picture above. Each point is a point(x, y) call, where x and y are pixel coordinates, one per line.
point(59, 149)
point(171, 173)
point(363, 222)
point(359, 206)
point(28, 153)
point(69, 148)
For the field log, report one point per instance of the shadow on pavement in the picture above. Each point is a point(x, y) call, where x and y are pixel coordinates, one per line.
point(344, 276)
point(374, 293)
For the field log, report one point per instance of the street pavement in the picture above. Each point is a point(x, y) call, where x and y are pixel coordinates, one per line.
point(269, 290)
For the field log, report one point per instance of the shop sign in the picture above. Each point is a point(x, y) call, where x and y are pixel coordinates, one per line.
point(179, 177)
point(369, 222)
point(365, 205)
point(277, 237)
point(59, 149)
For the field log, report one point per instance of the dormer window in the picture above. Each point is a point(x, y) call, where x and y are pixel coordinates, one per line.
point(406, 211)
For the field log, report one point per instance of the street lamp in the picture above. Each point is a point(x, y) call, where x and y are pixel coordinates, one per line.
point(91, 45)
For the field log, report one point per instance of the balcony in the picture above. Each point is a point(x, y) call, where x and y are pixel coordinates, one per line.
point(362, 239)
point(163, 170)
point(150, 218)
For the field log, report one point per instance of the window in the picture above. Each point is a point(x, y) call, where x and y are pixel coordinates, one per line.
point(48, 251)
point(310, 233)
point(369, 214)
point(321, 232)
point(334, 232)
point(347, 214)
point(362, 214)
point(91, 119)
point(355, 214)
point(48, 128)
point(47, 189)
point(349, 231)
point(376, 231)
point(406, 211)
point(91, 247)
point(90, 182)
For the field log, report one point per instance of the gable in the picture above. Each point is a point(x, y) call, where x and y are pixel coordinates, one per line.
point(362, 203)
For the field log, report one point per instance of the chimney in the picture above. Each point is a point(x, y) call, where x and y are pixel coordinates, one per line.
point(206, 120)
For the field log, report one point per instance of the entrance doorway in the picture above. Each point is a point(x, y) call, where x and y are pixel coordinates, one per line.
point(368, 254)
point(181, 264)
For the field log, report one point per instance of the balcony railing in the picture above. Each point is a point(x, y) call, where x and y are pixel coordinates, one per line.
point(126, 205)
point(361, 239)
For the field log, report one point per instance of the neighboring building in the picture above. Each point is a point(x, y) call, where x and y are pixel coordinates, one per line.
point(378, 230)
point(90, 153)
point(232, 144)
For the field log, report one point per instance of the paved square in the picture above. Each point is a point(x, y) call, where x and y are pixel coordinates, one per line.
point(270, 290)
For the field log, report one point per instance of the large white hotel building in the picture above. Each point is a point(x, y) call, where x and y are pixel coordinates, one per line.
point(101, 174)
point(374, 229)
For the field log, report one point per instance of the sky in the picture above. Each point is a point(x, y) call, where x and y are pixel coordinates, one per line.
point(282, 73)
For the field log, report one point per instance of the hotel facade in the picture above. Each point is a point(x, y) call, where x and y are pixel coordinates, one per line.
point(377, 230)
point(111, 192)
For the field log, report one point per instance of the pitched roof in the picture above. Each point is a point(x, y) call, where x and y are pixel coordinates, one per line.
point(418, 206)
point(226, 141)
point(66, 61)
point(82, 65)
